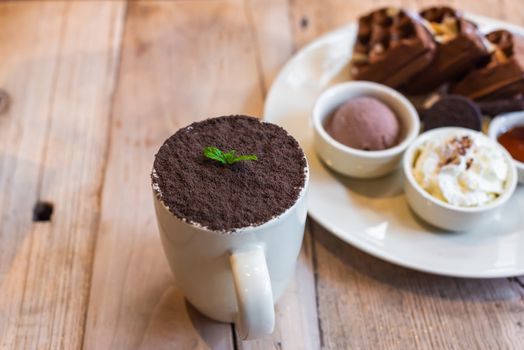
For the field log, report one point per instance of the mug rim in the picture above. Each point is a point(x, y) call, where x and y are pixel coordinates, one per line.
point(245, 229)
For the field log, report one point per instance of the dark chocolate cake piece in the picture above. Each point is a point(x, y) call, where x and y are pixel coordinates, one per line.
point(459, 46)
point(391, 47)
point(502, 76)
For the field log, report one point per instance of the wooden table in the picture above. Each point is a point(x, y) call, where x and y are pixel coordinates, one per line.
point(94, 88)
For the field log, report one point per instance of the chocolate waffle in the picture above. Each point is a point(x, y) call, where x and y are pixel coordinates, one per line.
point(502, 76)
point(459, 46)
point(391, 47)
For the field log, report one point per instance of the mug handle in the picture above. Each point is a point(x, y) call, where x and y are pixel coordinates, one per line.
point(256, 313)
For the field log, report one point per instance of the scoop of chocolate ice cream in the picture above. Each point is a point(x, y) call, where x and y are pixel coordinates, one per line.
point(364, 123)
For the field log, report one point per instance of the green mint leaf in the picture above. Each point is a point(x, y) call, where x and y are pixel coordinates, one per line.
point(246, 157)
point(230, 157)
point(215, 154)
point(226, 157)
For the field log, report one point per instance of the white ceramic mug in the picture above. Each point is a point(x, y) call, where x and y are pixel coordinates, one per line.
point(235, 277)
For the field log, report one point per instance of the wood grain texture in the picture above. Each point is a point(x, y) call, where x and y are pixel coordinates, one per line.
point(29, 86)
point(95, 88)
point(270, 24)
point(58, 66)
point(181, 62)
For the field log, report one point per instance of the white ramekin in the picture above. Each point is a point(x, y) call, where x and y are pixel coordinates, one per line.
point(503, 123)
point(439, 213)
point(354, 162)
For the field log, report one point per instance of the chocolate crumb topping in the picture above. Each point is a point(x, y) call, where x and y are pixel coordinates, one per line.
point(227, 197)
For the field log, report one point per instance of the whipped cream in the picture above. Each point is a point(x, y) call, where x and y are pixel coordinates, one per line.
point(465, 169)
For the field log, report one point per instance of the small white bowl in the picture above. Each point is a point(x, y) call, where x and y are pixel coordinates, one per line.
point(503, 123)
point(354, 162)
point(439, 213)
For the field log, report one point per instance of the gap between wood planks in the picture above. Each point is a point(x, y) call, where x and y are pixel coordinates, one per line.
point(315, 277)
point(101, 189)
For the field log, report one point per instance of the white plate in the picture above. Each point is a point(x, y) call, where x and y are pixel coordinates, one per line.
point(373, 215)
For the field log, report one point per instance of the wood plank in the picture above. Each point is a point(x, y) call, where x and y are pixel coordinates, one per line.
point(58, 65)
point(513, 11)
point(29, 84)
point(489, 8)
point(367, 303)
point(271, 27)
point(176, 324)
point(181, 62)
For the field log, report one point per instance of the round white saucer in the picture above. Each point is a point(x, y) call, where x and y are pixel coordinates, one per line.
point(373, 215)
